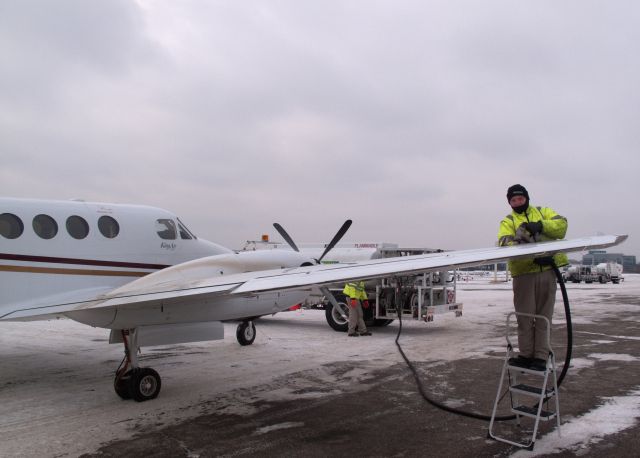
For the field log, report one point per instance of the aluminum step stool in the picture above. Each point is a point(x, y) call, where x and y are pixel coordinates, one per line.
point(541, 393)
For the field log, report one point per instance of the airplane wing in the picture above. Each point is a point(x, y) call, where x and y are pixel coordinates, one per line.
point(180, 286)
point(449, 260)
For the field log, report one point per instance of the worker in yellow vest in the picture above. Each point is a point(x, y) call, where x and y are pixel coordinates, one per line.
point(357, 297)
point(534, 281)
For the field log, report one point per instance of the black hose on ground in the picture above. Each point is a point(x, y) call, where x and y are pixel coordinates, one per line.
point(440, 405)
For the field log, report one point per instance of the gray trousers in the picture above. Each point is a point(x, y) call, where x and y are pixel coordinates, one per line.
point(356, 318)
point(534, 293)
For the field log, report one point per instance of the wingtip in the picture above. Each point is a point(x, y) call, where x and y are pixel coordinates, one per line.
point(621, 238)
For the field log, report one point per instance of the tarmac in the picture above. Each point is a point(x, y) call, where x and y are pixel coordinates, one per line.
point(385, 416)
point(303, 389)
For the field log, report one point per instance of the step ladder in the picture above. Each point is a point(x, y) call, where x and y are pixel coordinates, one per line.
point(540, 390)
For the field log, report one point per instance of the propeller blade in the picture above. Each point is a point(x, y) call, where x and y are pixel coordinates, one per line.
point(336, 238)
point(285, 236)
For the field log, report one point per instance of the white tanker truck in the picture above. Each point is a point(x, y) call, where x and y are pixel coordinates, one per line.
point(416, 297)
point(602, 273)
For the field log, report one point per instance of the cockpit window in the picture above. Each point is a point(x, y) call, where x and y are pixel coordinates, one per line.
point(77, 227)
point(45, 226)
point(108, 226)
point(185, 233)
point(166, 229)
point(11, 226)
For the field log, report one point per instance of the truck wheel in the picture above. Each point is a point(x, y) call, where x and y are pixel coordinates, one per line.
point(382, 322)
point(335, 319)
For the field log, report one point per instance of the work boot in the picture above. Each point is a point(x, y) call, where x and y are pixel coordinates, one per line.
point(520, 361)
point(353, 334)
point(365, 333)
point(538, 364)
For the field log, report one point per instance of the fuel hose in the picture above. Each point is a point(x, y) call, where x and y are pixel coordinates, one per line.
point(427, 397)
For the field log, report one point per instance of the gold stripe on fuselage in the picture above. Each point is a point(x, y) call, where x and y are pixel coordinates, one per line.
point(59, 271)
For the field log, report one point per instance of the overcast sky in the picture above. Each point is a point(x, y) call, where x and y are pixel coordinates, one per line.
point(410, 117)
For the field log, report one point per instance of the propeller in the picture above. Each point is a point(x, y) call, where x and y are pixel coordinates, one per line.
point(285, 236)
point(336, 238)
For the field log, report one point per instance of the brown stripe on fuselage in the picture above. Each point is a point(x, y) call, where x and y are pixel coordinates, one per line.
point(60, 271)
point(86, 262)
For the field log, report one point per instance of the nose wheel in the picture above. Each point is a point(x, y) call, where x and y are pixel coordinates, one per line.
point(246, 333)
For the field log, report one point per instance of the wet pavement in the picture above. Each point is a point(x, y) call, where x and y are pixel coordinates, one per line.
point(384, 415)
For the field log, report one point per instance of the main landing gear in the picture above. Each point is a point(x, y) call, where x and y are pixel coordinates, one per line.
point(143, 383)
point(132, 381)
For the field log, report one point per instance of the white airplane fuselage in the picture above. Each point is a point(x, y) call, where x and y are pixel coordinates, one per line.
point(56, 252)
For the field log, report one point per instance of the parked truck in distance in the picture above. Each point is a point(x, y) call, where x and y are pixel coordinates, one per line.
point(602, 273)
point(609, 272)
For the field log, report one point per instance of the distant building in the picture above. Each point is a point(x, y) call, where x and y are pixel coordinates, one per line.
point(597, 256)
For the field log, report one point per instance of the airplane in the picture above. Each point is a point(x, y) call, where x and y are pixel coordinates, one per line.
point(141, 273)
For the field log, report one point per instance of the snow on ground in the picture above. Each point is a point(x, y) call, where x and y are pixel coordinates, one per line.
point(56, 395)
point(615, 414)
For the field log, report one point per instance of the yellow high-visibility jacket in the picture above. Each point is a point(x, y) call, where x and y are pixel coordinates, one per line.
point(554, 227)
point(355, 290)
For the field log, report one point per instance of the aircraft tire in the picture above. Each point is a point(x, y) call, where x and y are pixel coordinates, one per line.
point(121, 386)
point(144, 384)
point(246, 333)
point(335, 320)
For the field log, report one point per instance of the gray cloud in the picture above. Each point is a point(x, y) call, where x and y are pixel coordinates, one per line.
point(412, 118)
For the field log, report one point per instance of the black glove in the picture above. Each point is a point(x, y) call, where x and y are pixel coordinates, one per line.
point(545, 261)
point(534, 228)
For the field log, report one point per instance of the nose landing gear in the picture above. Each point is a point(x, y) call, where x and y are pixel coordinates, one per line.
point(246, 333)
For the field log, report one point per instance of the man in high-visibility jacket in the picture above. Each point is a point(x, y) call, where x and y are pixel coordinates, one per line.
point(357, 297)
point(534, 281)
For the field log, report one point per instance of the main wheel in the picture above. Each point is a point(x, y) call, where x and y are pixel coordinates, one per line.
point(246, 333)
point(144, 384)
point(334, 317)
point(121, 385)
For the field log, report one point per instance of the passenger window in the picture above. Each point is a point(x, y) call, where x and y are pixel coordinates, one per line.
point(11, 226)
point(77, 227)
point(184, 233)
point(166, 229)
point(45, 226)
point(108, 226)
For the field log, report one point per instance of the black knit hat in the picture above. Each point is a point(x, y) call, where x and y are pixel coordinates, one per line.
point(517, 190)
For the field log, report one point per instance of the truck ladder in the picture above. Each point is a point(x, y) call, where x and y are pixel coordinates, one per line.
point(545, 390)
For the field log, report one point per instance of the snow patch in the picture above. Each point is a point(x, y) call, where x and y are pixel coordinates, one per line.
point(285, 425)
point(615, 415)
point(581, 363)
point(612, 357)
